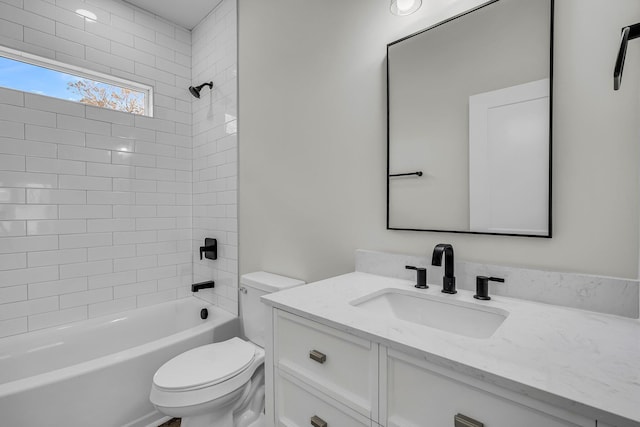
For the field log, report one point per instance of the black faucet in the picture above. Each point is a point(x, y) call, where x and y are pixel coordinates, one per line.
point(449, 280)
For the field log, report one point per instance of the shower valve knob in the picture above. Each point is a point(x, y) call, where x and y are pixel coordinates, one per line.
point(210, 249)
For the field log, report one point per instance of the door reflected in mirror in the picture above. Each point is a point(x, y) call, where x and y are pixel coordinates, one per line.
point(469, 103)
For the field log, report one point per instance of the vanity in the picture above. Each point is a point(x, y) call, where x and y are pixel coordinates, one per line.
point(368, 350)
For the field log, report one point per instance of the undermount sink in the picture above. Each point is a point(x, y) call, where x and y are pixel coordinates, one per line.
point(458, 317)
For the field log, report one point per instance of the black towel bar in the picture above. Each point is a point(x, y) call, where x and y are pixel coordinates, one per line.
point(419, 173)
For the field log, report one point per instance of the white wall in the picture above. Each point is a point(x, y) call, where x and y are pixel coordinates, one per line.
point(96, 205)
point(313, 140)
point(215, 153)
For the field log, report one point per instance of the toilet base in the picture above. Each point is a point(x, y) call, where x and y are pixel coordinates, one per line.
point(260, 422)
point(209, 414)
point(211, 419)
point(210, 422)
point(250, 411)
point(247, 409)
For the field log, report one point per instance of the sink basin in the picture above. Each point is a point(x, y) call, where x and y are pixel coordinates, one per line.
point(458, 317)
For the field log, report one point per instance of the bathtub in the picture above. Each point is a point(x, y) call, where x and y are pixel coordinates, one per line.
point(98, 372)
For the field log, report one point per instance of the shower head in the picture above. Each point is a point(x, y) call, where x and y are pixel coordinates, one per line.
point(195, 91)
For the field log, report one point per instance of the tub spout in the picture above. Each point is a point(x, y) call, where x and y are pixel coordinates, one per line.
point(202, 285)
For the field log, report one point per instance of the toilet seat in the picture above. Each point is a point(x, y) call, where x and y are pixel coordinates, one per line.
point(205, 366)
point(205, 383)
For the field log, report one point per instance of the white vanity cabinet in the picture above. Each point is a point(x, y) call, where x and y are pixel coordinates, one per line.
point(416, 393)
point(299, 404)
point(322, 372)
point(322, 377)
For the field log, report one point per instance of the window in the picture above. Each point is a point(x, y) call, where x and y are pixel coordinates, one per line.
point(29, 73)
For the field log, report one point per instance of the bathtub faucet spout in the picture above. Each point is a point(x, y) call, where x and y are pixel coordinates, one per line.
point(202, 285)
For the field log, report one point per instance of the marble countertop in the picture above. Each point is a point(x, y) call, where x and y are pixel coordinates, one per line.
point(585, 362)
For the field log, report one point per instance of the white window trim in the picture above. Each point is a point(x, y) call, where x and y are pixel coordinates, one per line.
point(83, 73)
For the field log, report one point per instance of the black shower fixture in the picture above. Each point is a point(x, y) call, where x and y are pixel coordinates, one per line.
point(628, 33)
point(195, 91)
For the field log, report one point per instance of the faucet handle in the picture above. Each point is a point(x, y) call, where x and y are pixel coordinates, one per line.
point(421, 282)
point(210, 248)
point(482, 287)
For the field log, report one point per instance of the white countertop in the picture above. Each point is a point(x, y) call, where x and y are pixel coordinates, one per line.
point(585, 362)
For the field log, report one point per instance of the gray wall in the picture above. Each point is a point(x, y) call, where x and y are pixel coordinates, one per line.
point(312, 140)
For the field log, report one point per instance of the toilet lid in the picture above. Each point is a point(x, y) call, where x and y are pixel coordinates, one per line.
point(205, 366)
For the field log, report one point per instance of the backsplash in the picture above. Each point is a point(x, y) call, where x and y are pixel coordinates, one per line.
point(96, 204)
point(586, 292)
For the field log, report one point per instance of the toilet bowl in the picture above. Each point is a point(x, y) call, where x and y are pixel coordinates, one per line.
point(206, 385)
point(222, 384)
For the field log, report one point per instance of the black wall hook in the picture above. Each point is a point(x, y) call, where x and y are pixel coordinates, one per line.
point(628, 33)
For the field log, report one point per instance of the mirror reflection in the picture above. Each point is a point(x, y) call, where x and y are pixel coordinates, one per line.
point(469, 123)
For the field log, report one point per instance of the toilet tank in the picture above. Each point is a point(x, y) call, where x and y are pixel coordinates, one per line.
point(253, 313)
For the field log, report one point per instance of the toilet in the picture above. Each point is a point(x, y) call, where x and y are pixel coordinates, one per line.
point(222, 384)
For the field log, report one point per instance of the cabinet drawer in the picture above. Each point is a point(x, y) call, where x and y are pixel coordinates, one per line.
point(341, 366)
point(419, 395)
point(298, 404)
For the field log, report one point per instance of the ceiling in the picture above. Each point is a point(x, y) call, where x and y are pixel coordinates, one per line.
point(186, 13)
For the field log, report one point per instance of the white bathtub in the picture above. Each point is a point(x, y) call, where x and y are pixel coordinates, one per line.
point(98, 372)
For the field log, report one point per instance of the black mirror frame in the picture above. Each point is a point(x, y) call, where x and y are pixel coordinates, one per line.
point(551, 51)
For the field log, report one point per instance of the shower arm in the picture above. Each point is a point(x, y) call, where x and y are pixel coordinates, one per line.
point(628, 33)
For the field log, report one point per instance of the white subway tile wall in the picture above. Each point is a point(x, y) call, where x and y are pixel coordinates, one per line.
point(97, 213)
point(215, 153)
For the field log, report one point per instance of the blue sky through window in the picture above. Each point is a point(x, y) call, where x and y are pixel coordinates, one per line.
point(44, 81)
point(31, 78)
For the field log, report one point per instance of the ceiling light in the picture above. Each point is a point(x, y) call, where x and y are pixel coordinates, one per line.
point(405, 7)
point(88, 15)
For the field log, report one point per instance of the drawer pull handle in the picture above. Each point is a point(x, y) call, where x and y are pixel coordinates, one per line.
point(464, 421)
point(316, 421)
point(315, 355)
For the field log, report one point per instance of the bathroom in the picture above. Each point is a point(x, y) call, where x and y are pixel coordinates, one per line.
point(284, 162)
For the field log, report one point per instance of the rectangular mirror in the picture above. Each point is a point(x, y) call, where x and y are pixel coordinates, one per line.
point(469, 123)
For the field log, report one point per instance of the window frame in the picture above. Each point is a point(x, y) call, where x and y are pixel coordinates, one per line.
point(83, 73)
